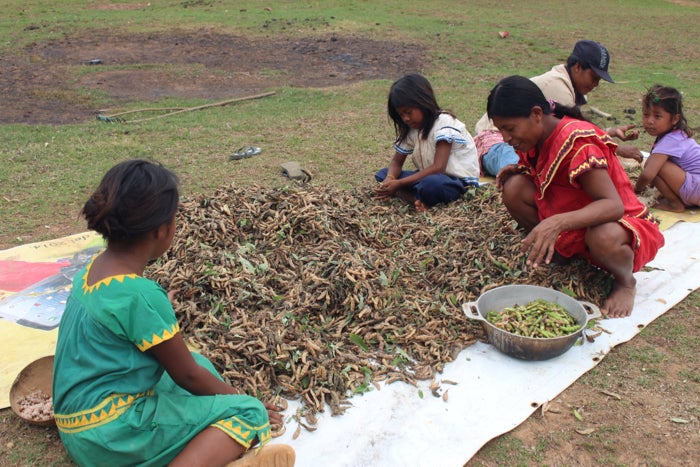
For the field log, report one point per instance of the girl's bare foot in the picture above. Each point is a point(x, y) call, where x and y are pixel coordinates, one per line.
point(665, 205)
point(420, 207)
point(620, 301)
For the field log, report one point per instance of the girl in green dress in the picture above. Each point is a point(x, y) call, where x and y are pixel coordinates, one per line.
point(126, 389)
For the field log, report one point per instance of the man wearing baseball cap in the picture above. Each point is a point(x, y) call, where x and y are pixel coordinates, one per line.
point(568, 84)
point(595, 55)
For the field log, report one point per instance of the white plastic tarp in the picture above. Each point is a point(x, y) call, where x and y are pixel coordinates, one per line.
point(395, 426)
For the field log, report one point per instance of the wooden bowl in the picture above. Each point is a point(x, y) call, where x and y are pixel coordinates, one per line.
point(37, 376)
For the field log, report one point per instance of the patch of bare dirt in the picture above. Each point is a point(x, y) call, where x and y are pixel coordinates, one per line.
point(46, 83)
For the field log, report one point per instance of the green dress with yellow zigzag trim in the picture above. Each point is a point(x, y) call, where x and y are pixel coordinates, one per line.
point(114, 402)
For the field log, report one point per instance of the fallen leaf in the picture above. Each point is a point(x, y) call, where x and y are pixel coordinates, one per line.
point(585, 431)
point(679, 420)
point(612, 394)
point(435, 388)
point(661, 300)
point(590, 337)
point(578, 415)
point(308, 427)
point(444, 396)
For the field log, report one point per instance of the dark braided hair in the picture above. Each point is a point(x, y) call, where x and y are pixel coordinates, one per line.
point(134, 197)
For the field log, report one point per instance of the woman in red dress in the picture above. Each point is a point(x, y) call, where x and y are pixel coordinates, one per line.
point(569, 192)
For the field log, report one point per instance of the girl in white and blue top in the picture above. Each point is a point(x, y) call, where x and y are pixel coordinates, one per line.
point(442, 150)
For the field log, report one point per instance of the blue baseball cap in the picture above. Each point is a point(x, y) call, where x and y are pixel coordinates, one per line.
point(595, 56)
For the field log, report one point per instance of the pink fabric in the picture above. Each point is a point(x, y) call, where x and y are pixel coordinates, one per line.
point(485, 140)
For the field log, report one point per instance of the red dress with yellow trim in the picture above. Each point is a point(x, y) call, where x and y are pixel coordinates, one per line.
point(574, 148)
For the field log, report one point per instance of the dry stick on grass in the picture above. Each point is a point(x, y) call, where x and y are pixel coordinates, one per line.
point(147, 109)
point(189, 109)
point(599, 112)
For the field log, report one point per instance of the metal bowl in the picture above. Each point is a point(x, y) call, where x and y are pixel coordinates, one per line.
point(37, 376)
point(522, 347)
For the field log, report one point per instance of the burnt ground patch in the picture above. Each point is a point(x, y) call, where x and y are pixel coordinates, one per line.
point(44, 83)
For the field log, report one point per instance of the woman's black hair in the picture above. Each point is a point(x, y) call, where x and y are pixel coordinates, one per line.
point(671, 100)
point(134, 197)
point(412, 90)
point(515, 96)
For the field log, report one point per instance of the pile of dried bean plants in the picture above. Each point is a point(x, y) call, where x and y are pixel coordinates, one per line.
point(317, 293)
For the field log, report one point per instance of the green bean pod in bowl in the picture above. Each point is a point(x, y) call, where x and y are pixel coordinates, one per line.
point(531, 322)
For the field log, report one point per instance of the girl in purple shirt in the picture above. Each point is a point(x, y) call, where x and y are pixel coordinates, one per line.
point(673, 166)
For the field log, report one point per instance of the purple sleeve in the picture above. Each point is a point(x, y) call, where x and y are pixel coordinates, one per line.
point(683, 150)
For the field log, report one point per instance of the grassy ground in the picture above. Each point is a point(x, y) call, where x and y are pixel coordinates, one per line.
point(342, 135)
point(332, 131)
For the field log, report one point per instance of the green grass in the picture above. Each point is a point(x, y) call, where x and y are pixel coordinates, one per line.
point(333, 131)
point(508, 450)
point(341, 134)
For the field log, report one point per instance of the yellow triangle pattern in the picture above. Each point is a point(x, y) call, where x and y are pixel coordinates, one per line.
point(106, 411)
point(156, 339)
point(242, 432)
point(145, 344)
point(87, 289)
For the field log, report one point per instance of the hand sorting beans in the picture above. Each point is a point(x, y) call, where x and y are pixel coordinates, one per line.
point(539, 318)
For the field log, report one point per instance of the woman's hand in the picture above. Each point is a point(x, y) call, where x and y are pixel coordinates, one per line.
point(505, 173)
point(627, 151)
point(539, 243)
point(606, 206)
point(624, 133)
